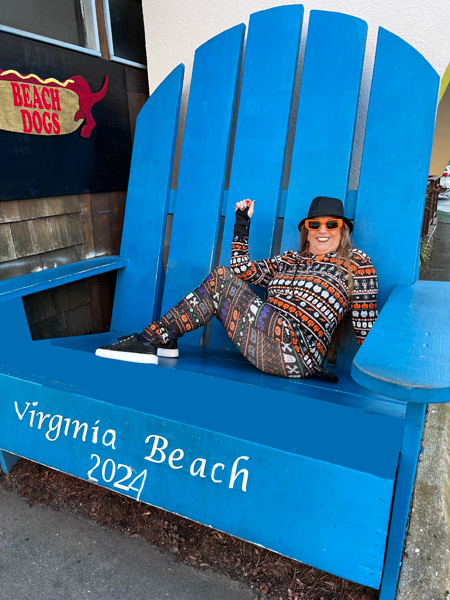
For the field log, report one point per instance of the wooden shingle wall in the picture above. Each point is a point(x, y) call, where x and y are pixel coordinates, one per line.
point(43, 233)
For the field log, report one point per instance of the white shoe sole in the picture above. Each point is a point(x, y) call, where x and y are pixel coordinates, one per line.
point(148, 359)
point(164, 352)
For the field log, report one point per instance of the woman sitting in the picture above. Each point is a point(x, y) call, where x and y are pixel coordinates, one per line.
point(308, 294)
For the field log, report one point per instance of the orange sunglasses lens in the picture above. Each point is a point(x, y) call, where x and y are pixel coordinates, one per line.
point(330, 224)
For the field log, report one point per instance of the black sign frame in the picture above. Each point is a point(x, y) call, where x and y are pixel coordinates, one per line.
point(35, 166)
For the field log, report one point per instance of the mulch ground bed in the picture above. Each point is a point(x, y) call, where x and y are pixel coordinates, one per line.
point(271, 575)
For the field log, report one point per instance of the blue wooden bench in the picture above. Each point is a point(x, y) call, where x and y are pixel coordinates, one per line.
point(319, 472)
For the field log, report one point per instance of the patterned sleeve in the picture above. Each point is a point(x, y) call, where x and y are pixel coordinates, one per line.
point(258, 272)
point(363, 301)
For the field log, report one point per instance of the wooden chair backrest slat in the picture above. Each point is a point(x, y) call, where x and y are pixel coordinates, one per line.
point(395, 163)
point(262, 130)
point(263, 122)
point(326, 115)
point(139, 286)
point(203, 165)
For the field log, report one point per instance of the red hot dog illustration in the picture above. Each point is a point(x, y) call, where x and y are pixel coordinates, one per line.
point(29, 104)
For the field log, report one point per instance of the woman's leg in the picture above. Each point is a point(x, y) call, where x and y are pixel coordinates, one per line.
point(255, 327)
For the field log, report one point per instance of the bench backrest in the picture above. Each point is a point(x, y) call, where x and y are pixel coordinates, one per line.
point(388, 205)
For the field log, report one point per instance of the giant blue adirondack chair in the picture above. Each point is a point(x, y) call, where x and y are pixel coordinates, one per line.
point(316, 471)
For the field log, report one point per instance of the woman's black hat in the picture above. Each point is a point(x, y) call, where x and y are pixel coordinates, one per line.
point(323, 205)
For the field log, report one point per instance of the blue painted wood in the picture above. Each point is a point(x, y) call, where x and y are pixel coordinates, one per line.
point(203, 165)
point(364, 441)
point(7, 461)
point(16, 332)
point(262, 130)
point(326, 115)
point(139, 288)
point(283, 201)
point(403, 356)
point(279, 490)
point(415, 416)
point(172, 198)
point(107, 379)
point(350, 203)
point(399, 134)
point(50, 278)
point(263, 121)
point(212, 362)
point(208, 362)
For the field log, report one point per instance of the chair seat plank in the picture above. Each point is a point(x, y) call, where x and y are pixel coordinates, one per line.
point(399, 133)
point(219, 363)
point(139, 288)
point(203, 164)
point(326, 115)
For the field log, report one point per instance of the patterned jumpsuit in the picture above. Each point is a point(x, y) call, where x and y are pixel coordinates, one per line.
point(288, 334)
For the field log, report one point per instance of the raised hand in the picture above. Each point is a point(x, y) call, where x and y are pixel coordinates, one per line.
point(243, 204)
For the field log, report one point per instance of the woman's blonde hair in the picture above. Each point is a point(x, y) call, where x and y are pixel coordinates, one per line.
point(343, 331)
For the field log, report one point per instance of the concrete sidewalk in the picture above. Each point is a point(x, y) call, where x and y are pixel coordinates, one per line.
point(426, 565)
point(49, 555)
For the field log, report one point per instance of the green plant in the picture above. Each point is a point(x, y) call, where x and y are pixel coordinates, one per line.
point(424, 254)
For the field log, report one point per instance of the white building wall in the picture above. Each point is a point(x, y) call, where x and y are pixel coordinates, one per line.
point(174, 29)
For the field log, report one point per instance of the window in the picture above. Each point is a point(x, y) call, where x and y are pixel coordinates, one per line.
point(73, 24)
point(125, 28)
point(70, 23)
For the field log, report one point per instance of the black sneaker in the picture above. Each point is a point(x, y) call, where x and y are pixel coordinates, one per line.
point(169, 349)
point(132, 348)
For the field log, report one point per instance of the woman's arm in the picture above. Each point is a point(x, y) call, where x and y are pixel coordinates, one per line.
point(258, 272)
point(363, 301)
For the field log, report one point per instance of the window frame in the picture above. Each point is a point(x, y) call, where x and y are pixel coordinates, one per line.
point(109, 37)
point(88, 8)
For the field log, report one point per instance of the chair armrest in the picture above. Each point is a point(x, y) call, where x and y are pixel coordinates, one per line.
point(406, 355)
point(49, 278)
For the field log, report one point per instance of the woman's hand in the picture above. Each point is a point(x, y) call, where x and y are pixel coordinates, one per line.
point(243, 204)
